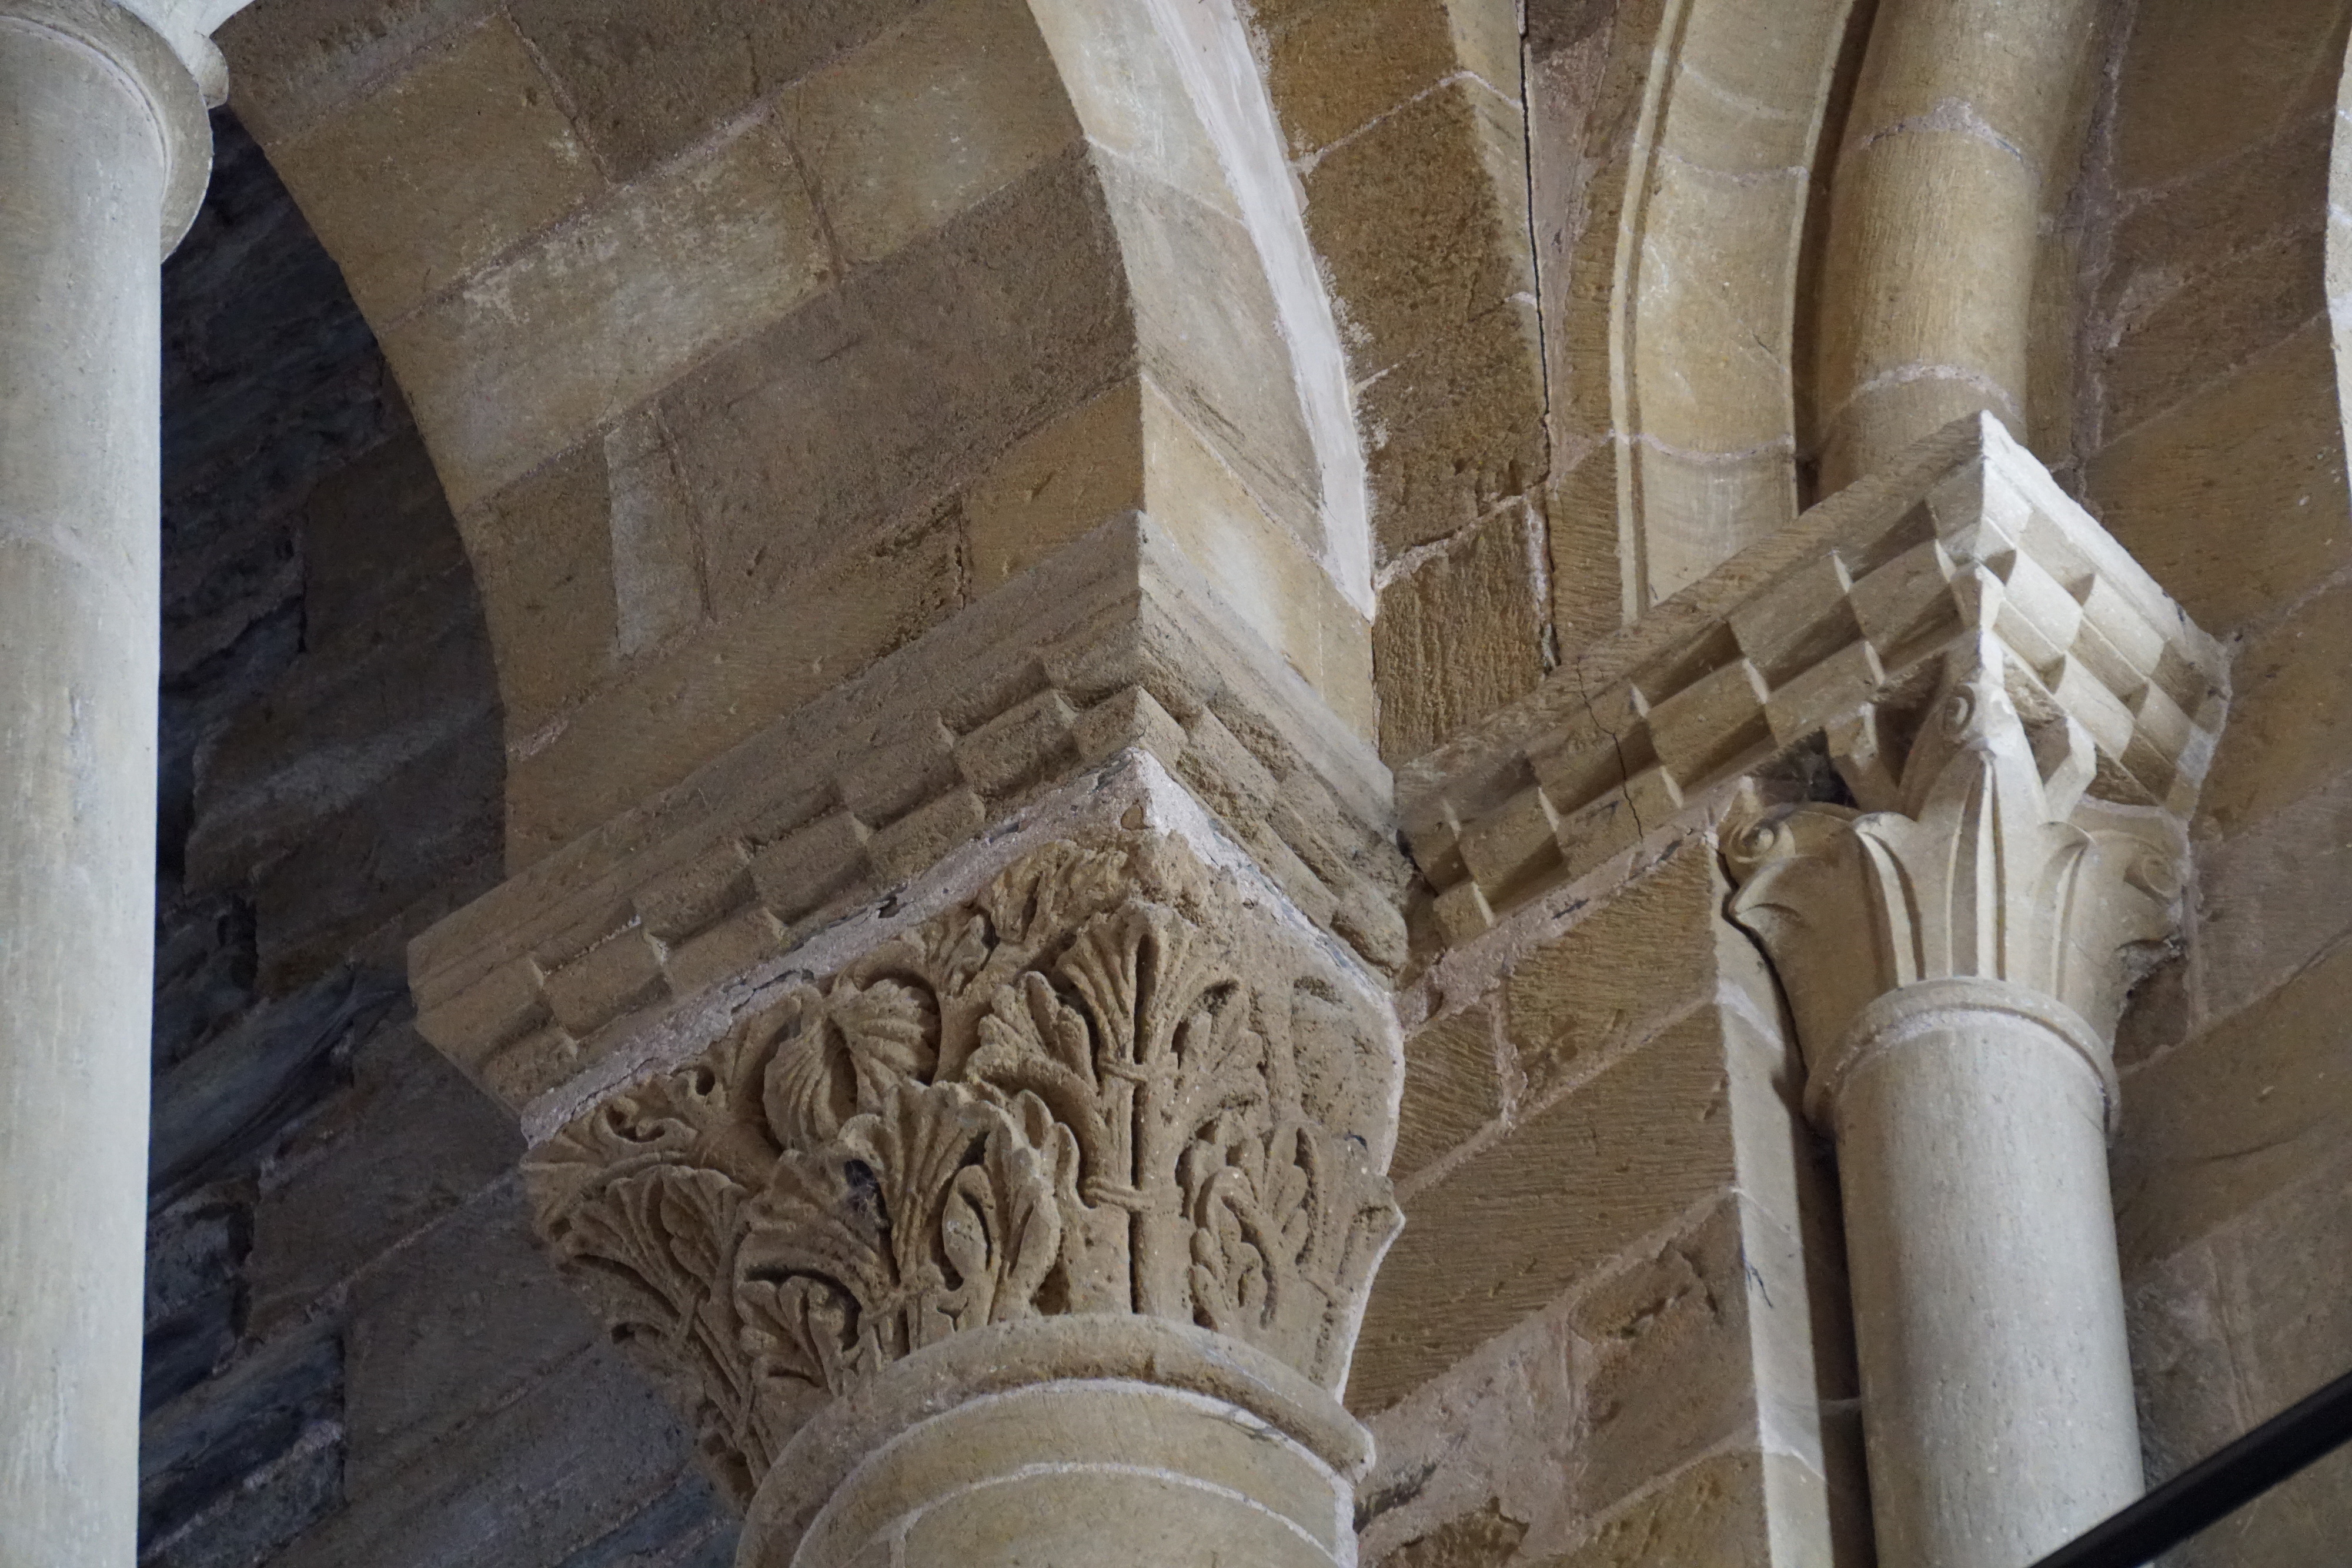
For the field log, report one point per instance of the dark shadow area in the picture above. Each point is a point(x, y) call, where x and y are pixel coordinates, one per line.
point(331, 770)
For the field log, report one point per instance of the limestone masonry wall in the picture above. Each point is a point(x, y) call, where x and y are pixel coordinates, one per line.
point(2212, 434)
point(719, 462)
point(354, 1352)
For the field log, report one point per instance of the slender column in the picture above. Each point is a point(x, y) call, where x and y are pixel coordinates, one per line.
point(103, 140)
point(1959, 124)
point(1956, 963)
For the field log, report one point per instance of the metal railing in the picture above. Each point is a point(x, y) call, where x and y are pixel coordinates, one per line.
point(2206, 1491)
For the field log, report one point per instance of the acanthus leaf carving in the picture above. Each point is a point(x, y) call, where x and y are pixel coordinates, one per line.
point(1093, 1088)
point(1985, 857)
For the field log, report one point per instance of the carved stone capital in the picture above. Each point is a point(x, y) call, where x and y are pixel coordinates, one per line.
point(1980, 869)
point(1836, 633)
point(1114, 1081)
point(170, 61)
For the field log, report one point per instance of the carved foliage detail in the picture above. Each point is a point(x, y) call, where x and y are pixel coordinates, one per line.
point(1082, 1091)
point(1983, 854)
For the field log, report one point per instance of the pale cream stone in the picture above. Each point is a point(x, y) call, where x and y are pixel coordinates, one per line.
point(1952, 154)
point(1131, 1473)
point(1056, 1384)
point(1191, 155)
point(1678, 148)
point(1965, 1068)
point(106, 147)
point(1256, 565)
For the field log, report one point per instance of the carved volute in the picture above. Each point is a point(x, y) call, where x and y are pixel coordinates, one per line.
point(1114, 1081)
point(1980, 854)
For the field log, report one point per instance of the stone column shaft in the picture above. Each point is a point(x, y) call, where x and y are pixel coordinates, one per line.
point(1971, 1137)
point(1956, 961)
point(100, 125)
point(1958, 132)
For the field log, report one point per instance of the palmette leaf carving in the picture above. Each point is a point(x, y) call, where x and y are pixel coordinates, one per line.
point(1985, 857)
point(1094, 1088)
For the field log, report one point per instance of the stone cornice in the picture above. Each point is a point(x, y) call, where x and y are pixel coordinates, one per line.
point(1115, 646)
point(1836, 634)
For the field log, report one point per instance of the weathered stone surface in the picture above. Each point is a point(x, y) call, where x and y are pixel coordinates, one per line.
point(2243, 304)
point(713, 691)
point(1261, 565)
point(2230, 1117)
point(1461, 427)
point(1208, 336)
point(229, 1101)
point(684, 261)
point(1493, 1242)
point(1417, 218)
point(2291, 720)
point(1334, 68)
point(1674, 228)
point(1472, 1541)
point(543, 552)
point(647, 82)
point(258, 1411)
point(1452, 1087)
point(269, 1507)
point(295, 66)
point(1457, 639)
point(396, 183)
point(2245, 198)
point(195, 1251)
point(1054, 485)
point(925, 122)
point(382, 558)
point(866, 407)
point(364, 717)
point(1497, 1433)
point(689, 1526)
point(1671, 1373)
point(409, 1142)
point(446, 1329)
point(1158, 1519)
point(581, 1449)
point(2262, 447)
point(2232, 1328)
point(1713, 1512)
point(1626, 969)
point(324, 646)
point(2196, 91)
point(370, 877)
